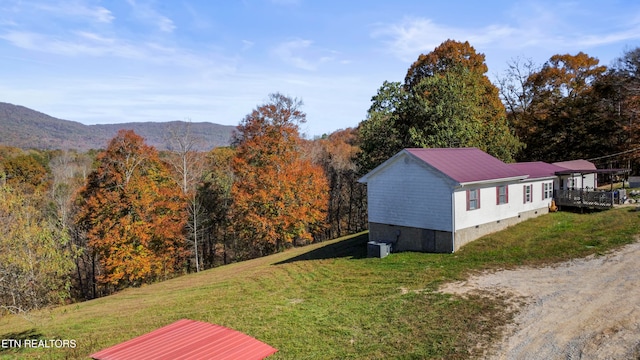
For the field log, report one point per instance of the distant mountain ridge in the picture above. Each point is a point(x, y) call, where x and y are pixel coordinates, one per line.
point(25, 128)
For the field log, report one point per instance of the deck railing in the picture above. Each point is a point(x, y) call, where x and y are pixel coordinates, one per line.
point(585, 198)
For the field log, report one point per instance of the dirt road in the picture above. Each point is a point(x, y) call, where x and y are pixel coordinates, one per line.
point(582, 309)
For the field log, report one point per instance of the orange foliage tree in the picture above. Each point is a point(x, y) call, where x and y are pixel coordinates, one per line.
point(133, 214)
point(444, 57)
point(564, 117)
point(336, 153)
point(24, 171)
point(280, 196)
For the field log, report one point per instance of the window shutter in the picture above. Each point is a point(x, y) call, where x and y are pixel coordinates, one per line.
point(497, 195)
point(543, 190)
point(468, 203)
point(477, 198)
point(524, 194)
point(506, 193)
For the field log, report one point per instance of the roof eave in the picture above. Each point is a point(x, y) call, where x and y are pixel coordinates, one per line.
point(489, 181)
point(549, 177)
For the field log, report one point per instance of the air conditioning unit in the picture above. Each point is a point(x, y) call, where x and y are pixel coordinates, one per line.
point(378, 249)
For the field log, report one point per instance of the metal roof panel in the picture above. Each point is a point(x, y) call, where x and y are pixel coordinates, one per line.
point(580, 165)
point(188, 340)
point(537, 169)
point(466, 165)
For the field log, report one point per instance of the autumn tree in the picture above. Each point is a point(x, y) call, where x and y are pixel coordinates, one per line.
point(27, 172)
point(133, 214)
point(35, 263)
point(560, 116)
point(337, 154)
point(450, 54)
point(454, 104)
point(619, 93)
point(280, 198)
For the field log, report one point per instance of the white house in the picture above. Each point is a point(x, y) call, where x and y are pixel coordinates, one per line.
point(437, 200)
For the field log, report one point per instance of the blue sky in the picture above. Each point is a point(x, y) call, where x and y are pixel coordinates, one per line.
point(207, 60)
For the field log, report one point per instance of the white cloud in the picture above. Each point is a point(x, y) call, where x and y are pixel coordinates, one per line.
point(246, 45)
point(551, 27)
point(302, 54)
point(76, 9)
point(612, 38)
point(145, 12)
point(289, 52)
point(413, 36)
point(97, 38)
point(84, 43)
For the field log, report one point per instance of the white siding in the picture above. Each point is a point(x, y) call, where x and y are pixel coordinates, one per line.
point(590, 181)
point(537, 197)
point(490, 211)
point(586, 181)
point(408, 193)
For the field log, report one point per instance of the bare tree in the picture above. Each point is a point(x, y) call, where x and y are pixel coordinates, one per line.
point(188, 164)
point(69, 172)
point(513, 86)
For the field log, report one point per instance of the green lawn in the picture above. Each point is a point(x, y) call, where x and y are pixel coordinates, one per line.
point(328, 301)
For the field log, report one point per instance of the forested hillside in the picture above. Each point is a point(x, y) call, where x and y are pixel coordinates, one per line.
point(162, 200)
point(25, 128)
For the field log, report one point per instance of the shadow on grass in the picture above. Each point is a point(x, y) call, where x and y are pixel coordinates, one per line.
point(12, 341)
point(354, 248)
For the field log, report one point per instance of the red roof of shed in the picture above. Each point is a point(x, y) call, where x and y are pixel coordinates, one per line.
point(466, 165)
point(188, 339)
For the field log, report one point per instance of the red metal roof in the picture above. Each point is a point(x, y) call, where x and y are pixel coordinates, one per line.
point(578, 165)
point(537, 169)
point(188, 339)
point(466, 165)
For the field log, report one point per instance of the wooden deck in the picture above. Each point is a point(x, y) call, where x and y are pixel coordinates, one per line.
point(585, 199)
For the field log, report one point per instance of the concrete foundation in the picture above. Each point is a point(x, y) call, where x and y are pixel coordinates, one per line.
point(406, 238)
point(465, 236)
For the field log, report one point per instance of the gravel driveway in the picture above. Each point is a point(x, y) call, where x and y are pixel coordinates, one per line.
point(582, 309)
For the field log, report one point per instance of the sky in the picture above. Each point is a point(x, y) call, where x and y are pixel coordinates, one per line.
point(99, 62)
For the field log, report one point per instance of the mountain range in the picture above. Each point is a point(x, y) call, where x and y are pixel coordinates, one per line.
point(25, 128)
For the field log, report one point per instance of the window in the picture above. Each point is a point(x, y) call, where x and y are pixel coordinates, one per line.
point(547, 191)
point(527, 193)
point(502, 194)
point(473, 199)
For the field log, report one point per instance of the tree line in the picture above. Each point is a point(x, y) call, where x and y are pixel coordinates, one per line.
point(83, 225)
point(78, 226)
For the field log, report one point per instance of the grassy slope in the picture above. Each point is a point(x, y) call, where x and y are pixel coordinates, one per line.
point(329, 301)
